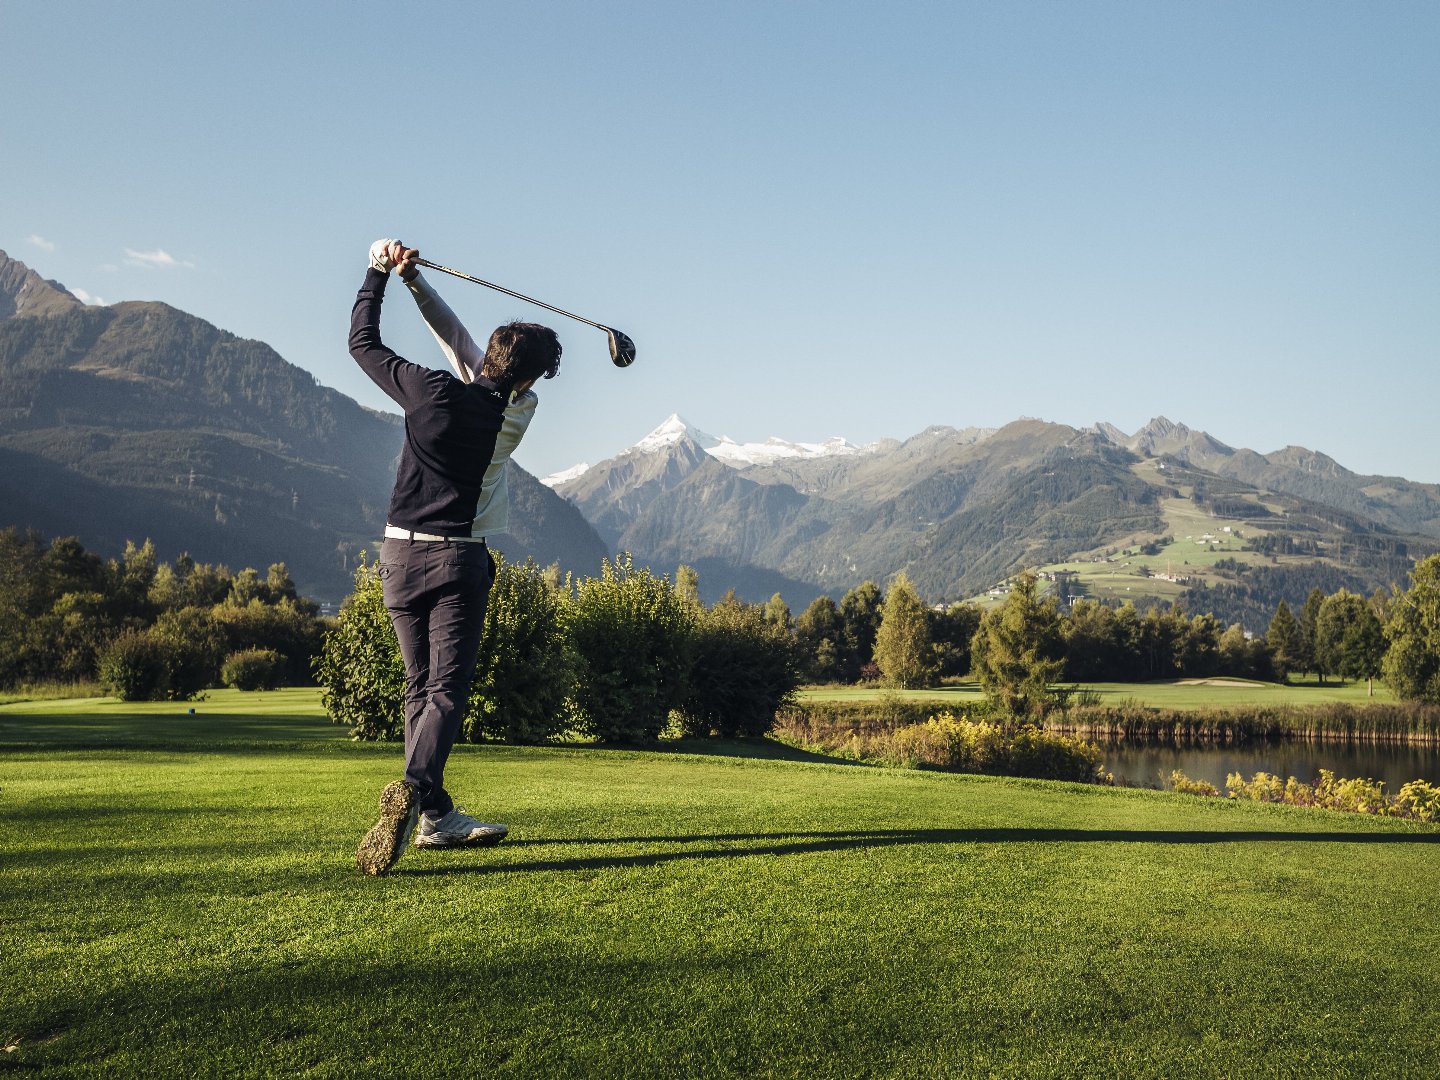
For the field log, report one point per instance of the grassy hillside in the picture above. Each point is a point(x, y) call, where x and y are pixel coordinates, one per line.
point(193, 909)
point(1235, 552)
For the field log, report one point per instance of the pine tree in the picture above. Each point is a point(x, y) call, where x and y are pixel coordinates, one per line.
point(1016, 652)
point(1287, 648)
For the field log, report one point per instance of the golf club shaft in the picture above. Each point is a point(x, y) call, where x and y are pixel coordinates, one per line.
point(510, 292)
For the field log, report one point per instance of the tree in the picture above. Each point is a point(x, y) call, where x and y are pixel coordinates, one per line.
point(860, 612)
point(902, 644)
point(633, 638)
point(1309, 620)
point(1412, 661)
point(820, 637)
point(526, 668)
point(1287, 646)
point(777, 613)
point(687, 585)
point(1016, 651)
point(951, 632)
point(1348, 637)
point(745, 668)
point(1089, 631)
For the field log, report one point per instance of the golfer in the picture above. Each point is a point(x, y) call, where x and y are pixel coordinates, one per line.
point(450, 493)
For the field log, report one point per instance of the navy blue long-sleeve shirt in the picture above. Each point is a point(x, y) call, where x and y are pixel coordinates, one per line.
point(450, 426)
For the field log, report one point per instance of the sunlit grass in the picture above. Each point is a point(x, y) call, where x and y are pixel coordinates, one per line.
point(1167, 693)
point(184, 911)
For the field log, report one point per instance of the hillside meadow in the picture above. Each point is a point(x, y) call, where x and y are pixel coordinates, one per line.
point(180, 897)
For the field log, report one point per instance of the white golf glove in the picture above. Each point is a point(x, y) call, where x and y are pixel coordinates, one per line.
point(378, 258)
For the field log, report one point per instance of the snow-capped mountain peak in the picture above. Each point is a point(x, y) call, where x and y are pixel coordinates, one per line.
point(558, 478)
point(739, 455)
point(673, 430)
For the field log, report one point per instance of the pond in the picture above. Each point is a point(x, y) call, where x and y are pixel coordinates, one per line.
point(1144, 765)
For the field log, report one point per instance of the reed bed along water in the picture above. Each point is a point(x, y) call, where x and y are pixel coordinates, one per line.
point(1388, 722)
point(1383, 722)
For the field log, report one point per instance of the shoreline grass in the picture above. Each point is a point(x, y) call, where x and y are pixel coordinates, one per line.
point(661, 913)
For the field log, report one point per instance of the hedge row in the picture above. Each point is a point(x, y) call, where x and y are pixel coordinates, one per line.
point(616, 658)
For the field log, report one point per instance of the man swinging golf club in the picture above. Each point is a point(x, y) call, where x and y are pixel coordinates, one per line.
point(450, 492)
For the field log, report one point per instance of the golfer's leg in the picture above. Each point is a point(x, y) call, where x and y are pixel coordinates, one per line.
point(460, 587)
point(402, 572)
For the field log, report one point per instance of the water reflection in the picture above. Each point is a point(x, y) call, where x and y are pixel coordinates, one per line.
point(1145, 765)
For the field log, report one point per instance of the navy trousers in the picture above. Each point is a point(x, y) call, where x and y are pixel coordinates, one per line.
point(436, 595)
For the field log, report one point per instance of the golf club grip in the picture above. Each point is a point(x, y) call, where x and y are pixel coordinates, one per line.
point(508, 292)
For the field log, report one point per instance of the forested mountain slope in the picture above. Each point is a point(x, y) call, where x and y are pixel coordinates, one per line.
point(138, 420)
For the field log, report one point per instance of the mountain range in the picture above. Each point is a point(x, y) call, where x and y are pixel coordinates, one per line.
point(137, 420)
point(959, 510)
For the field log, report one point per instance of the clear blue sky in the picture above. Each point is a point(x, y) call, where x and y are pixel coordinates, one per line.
point(813, 218)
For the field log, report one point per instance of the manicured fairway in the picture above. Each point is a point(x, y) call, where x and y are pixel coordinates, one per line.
point(1165, 693)
point(181, 911)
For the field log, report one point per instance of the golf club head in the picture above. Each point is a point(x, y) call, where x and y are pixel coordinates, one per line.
point(622, 349)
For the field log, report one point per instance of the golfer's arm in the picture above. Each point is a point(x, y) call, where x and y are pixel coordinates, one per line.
point(455, 341)
point(492, 513)
point(403, 381)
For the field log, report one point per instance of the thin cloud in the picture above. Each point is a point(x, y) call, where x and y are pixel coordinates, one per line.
point(41, 242)
point(85, 298)
point(157, 258)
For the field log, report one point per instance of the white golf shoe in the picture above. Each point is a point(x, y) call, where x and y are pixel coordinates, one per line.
point(458, 829)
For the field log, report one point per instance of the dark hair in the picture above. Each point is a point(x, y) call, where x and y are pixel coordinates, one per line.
point(519, 351)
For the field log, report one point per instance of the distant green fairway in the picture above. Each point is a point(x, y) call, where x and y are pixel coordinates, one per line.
point(181, 899)
point(1166, 693)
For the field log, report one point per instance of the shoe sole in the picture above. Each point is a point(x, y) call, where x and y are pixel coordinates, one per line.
point(385, 843)
point(488, 840)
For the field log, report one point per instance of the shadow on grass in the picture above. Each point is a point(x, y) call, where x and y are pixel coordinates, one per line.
point(177, 730)
point(812, 843)
point(758, 749)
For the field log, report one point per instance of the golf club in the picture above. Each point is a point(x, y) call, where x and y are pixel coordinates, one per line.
point(622, 349)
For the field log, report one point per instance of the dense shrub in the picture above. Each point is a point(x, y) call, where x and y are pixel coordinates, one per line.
point(1418, 800)
point(359, 665)
point(284, 627)
point(745, 667)
point(146, 666)
point(1185, 786)
point(253, 669)
point(632, 635)
point(816, 723)
point(133, 667)
point(967, 745)
point(526, 669)
point(194, 646)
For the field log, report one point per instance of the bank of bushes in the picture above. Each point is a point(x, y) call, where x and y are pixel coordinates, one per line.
point(911, 734)
point(1416, 800)
point(623, 657)
point(143, 628)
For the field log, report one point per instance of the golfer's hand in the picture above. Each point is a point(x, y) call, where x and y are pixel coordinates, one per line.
point(380, 255)
point(403, 259)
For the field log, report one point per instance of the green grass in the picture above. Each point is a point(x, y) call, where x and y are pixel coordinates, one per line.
point(1165, 693)
point(191, 907)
